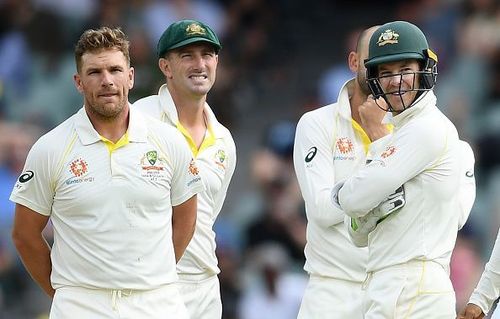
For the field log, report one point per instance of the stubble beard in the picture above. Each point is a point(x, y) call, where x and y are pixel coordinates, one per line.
point(107, 112)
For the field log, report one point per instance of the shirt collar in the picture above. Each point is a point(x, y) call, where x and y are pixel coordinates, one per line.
point(427, 101)
point(169, 112)
point(137, 128)
point(343, 99)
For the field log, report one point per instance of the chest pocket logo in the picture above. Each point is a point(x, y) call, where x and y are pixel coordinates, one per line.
point(220, 158)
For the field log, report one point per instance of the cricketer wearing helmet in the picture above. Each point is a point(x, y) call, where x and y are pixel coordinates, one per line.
point(409, 249)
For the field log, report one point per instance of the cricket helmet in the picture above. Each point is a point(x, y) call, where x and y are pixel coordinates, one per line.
point(397, 41)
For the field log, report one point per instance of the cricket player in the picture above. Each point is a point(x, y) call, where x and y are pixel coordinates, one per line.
point(188, 56)
point(331, 143)
point(488, 288)
point(120, 191)
point(410, 249)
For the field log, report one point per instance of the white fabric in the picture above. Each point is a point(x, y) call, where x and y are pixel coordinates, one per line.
point(488, 288)
point(332, 298)
point(216, 173)
point(414, 290)
point(111, 212)
point(81, 303)
point(327, 150)
point(467, 183)
point(424, 154)
point(201, 296)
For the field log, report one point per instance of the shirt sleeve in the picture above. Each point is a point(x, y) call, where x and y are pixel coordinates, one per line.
point(467, 183)
point(488, 288)
point(34, 187)
point(313, 162)
point(186, 180)
point(408, 153)
point(231, 166)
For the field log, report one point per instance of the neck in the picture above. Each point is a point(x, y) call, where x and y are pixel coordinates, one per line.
point(111, 128)
point(189, 110)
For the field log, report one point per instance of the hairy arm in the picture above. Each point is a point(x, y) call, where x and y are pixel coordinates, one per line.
point(32, 246)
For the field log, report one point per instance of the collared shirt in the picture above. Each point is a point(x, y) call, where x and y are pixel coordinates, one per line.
point(423, 154)
point(329, 146)
point(216, 159)
point(111, 208)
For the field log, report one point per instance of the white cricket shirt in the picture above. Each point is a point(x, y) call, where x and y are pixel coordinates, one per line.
point(111, 210)
point(216, 159)
point(329, 146)
point(488, 288)
point(423, 153)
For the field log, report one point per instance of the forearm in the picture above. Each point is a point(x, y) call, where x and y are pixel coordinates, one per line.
point(183, 225)
point(35, 255)
point(488, 288)
point(181, 239)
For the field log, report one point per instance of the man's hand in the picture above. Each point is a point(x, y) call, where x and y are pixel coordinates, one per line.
point(371, 116)
point(360, 227)
point(393, 202)
point(471, 311)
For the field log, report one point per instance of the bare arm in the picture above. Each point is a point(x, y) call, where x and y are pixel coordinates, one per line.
point(32, 246)
point(183, 225)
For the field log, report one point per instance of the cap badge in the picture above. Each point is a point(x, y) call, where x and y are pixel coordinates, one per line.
point(195, 29)
point(388, 37)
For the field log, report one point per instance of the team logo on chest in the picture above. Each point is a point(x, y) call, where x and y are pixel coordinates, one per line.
point(152, 156)
point(153, 166)
point(220, 158)
point(79, 168)
point(151, 161)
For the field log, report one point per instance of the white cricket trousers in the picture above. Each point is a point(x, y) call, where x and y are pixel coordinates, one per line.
point(413, 290)
point(201, 295)
point(82, 303)
point(331, 298)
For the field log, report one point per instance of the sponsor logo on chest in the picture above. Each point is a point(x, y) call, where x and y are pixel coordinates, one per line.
point(344, 149)
point(79, 169)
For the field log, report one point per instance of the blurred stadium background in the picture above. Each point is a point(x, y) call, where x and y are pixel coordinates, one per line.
point(280, 59)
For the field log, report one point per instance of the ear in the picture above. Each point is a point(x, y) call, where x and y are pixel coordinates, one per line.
point(164, 65)
point(353, 61)
point(131, 73)
point(78, 82)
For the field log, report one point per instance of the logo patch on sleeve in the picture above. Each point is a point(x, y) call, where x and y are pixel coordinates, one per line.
point(311, 153)
point(26, 176)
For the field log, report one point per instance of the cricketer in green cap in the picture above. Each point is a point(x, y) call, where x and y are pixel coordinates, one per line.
point(394, 42)
point(185, 32)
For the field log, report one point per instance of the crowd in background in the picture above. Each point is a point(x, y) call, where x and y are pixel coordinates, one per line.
point(279, 59)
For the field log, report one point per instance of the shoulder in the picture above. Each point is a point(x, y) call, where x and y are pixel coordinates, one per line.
point(56, 140)
point(149, 105)
point(322, 118)
point(433, 131)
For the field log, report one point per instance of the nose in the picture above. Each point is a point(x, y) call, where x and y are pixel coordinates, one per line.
point(396, 79)
point(107, 79)
point(198, 62)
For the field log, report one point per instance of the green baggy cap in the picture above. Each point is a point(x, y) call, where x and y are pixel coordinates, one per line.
point(185, 32)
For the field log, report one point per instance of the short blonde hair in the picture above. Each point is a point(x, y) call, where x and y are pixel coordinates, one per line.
point(101, 39)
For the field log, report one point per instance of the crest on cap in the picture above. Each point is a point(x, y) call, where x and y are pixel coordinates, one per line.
point(388, 37)
point(195, 29)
